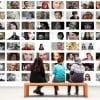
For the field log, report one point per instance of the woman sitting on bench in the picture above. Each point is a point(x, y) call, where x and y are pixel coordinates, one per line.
point(37, 74)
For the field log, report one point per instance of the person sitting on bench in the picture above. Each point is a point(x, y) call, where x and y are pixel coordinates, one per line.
point(59, 73)
point(37, 74)
point(76, 74)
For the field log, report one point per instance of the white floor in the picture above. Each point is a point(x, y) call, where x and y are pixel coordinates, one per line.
point(16, 93)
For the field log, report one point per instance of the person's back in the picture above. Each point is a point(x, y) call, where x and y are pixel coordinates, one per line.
point(37, 74)
point(76, 74)
point(59, 72)
point(38, 77)
point(37, 70)
point(77, 68)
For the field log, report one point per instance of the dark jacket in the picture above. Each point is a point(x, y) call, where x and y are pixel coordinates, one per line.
point(72, 17)
point(77, 73)
point(37, 76)
point(77, 77)
point(14, 37)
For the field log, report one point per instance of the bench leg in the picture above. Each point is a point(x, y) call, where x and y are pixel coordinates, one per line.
point(85, 90)
point(26, 90)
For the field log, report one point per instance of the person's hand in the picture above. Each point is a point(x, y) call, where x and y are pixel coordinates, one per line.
point(52, 77)
point(49, 81)
point(70, 80)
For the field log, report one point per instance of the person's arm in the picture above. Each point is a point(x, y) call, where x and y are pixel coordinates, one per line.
point(53, 73)
point(72, 69)
point(54, 70)
point(83, 68)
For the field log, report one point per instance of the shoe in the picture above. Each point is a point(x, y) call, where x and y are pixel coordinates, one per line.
point(35, 91)
point(41, 93)
point(38, 92)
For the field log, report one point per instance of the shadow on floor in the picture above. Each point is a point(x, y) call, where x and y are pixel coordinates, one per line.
point(57, 96)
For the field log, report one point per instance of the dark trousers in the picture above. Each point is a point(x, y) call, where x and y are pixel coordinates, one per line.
point(38, 88)
point(56, 88)
point(76, 87)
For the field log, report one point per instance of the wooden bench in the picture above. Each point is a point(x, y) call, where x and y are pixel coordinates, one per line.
point(26, 86)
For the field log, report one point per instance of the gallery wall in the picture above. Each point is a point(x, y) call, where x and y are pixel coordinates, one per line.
point(49, 29)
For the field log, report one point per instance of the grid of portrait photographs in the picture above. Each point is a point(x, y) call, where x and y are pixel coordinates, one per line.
point(50, 29)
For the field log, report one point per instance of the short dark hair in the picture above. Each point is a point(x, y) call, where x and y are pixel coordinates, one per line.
point(25, 2)
point(74, 12)
point(60, 60)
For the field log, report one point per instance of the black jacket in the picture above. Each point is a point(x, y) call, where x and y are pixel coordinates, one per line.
point(72, 17)
point(14, 37)
point(77, 77)
point(37, 76)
